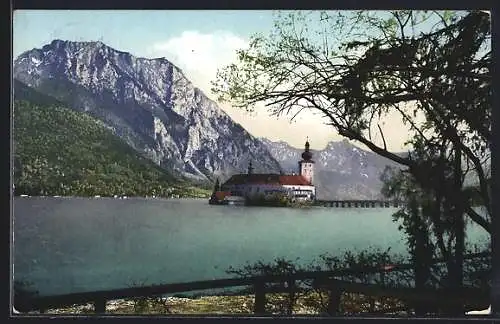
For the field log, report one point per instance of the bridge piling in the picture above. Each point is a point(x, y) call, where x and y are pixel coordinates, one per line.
point(357, 203)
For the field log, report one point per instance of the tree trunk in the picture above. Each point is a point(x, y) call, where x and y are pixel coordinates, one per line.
point(421, 263)
point(459, 224)
point(457, 215)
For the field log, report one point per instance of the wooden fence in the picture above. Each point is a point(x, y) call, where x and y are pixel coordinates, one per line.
point(471, 298)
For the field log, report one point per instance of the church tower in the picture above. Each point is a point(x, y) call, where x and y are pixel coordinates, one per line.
point(306, 165)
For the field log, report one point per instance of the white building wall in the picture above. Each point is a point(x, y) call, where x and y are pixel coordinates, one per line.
point(259, 189)
point(298, 188)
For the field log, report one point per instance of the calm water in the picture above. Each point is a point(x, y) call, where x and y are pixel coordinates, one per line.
point(65, 245)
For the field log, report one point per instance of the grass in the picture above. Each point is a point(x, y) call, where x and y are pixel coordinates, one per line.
point(311, 303)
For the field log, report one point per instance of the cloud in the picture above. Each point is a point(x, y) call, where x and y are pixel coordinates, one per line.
point(199, 55)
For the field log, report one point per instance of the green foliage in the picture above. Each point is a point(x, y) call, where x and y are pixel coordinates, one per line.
point(368, 258)
point(58, 151)
point(317, 297)
point(279, 266)
point(276, 199)
point(354, 266)
point(150, 305)
point(431, 233)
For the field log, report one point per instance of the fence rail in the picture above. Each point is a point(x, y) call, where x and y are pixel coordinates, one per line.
point(472, 298)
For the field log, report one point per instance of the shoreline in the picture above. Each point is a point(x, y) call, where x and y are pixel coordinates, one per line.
point(112, 197)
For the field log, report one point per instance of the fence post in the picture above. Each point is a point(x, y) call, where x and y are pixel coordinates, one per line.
point(291, 295)
point(260, 298)
point(372, 304)
point(334, 300)
point(100, 305)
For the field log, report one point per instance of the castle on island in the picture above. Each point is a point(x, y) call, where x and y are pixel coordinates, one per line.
point(250, 186)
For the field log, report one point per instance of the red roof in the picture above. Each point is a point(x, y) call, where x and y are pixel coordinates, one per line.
point(220, 195)
point(289, 180)
point(261, 178)
point(294, 180)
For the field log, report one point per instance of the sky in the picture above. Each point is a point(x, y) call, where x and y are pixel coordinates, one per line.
point(197, 41)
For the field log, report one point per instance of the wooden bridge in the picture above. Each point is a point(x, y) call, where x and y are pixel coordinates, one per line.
point(357, 203)
point(469, 298)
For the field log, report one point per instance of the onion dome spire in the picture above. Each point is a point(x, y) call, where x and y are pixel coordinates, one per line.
point(307, 155)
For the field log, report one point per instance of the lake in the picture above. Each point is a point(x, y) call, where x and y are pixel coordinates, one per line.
point(64, 245)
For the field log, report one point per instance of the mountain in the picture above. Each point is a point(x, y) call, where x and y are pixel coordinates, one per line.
point(26, 93)
point(342, 170)
point(149, 103)
point(58, 151)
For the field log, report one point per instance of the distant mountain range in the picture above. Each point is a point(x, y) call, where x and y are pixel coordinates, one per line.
point(157, 111)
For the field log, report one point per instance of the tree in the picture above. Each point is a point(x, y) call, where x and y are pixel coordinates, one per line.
point(444, 75)
point(216, 186)
point(425, 238)
point(434, 65)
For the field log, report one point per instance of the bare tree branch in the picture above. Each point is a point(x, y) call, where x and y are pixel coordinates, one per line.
point(383, 138)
